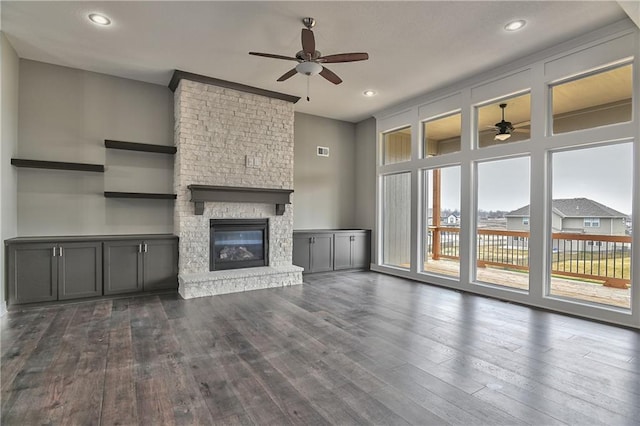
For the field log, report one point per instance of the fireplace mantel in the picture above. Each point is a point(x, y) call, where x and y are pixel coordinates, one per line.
point(203, 193)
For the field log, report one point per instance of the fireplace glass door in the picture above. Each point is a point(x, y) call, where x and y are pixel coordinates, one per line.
point(238, 243)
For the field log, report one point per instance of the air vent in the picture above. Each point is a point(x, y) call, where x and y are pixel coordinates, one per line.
point(323, 151)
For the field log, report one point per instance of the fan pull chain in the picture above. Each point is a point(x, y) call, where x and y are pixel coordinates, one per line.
point(308, 99)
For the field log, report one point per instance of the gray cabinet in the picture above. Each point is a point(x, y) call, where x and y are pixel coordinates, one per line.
point(160, 264)
point(313, 252)
point(79, 270)
point(329, 250)
point(42, 269)
point(40, 272)
point(351, 250)
point(122, 266)
point(140, 265)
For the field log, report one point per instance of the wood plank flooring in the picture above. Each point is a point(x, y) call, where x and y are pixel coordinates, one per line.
point(344, 348)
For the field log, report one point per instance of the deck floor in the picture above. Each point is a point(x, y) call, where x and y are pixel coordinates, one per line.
point(344, 348)
point(571, 288)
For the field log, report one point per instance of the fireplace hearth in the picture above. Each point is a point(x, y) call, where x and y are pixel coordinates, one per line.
point(238, 243)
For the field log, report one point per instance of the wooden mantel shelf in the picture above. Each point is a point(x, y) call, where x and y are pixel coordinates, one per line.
point(203, 193)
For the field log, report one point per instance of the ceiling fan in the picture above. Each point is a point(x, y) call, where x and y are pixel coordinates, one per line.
point(310, 60)
point(504, 128)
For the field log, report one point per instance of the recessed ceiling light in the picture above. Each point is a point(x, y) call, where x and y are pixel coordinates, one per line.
point(99, 19)
point(369, 93)
point(515, 25)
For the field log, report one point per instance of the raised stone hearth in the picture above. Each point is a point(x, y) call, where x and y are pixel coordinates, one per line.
point(233, 281)
point(230, 138)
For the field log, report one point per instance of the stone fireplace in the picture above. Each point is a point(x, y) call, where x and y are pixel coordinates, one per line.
point(233, 167)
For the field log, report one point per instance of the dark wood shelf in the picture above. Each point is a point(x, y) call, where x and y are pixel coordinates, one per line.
point(143, 147)
point(57, 165)
point(146, 195)
point(206, 193)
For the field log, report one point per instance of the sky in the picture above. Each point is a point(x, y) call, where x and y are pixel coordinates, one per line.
point(603, 174)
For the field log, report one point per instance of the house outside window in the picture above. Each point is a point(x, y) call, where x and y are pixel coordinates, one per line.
point(592, 222)
point(525, 221)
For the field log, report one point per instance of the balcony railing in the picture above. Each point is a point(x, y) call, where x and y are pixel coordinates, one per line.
point(601, 258)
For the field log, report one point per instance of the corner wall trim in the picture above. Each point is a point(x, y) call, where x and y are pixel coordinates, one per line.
point(203, 193)
point(179, 75)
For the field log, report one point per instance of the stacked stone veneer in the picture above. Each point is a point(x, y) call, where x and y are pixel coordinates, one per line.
point(216, 129)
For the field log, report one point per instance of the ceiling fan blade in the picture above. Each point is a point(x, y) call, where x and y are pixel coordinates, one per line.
point(271, 55)
point(344, 57)
point(308, 42)
point(330, 75)
point(288, 74)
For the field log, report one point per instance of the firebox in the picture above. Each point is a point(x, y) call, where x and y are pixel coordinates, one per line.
point(238, 243)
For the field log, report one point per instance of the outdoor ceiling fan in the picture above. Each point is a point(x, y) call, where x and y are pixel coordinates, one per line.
point(504, 128)
point(310, 60)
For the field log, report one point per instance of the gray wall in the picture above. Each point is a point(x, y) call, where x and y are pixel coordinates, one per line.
point(324, 187)
point(9, 72)
point(365, 163)
point(64, 115)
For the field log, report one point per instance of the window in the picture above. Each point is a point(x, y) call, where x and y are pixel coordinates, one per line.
point(441, 220)
point(442, 135)
point(592, 101)
point(592, 222)
point(396, 146)
point(494, 128)
point(590, 262)
point(525, 220)
point(503, 194)
point(396, 214)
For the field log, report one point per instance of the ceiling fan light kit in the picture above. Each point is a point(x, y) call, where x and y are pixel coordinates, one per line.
point(309, 68)
point(310, 60)
point(502, 137)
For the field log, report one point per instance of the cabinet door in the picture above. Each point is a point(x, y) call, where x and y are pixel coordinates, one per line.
point(32, 273)
point(160, 264)
point(79, 270)
point(342, 251)
point(302, 251)
point(122, 266)
point(322, 253)
point(360, 251)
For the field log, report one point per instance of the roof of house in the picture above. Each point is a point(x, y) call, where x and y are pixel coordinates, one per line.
point(573, 207)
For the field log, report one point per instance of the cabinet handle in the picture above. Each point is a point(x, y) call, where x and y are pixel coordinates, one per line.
point(139, 248)
point(60, 252)
point(352, 238)
point(146, 248)
point(54, 252)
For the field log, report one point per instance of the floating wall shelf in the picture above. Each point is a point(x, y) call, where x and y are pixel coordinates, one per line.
point(57, 165)
point(143, 147)
point(146, 195)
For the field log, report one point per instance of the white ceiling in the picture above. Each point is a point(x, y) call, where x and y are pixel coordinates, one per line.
point(414, 47)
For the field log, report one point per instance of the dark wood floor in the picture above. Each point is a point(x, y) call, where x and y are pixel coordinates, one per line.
point(350, 348)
